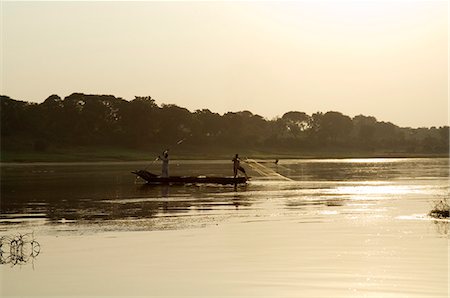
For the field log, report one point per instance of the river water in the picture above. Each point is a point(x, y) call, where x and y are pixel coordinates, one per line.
point(335, 228)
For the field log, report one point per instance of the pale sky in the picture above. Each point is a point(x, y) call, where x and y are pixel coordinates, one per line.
point(387, 59)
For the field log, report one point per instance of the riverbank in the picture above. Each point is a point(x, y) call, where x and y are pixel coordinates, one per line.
point(87, 154)
point(111, 154)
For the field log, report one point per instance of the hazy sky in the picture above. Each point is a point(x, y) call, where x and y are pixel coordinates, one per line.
point(383, 58)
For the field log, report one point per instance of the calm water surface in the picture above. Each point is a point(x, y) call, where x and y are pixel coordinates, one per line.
point(337, 228)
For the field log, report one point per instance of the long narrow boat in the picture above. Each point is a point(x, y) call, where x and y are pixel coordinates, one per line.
point(155, 179)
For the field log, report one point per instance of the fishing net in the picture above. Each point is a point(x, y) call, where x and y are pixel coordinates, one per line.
point(264, 170)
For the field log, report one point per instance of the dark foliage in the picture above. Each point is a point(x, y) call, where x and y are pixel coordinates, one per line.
point(104, 120)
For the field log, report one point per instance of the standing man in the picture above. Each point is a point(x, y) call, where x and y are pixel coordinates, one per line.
point(237, 166)
point(165, 164)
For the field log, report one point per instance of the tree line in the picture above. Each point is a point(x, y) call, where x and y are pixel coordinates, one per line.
point(105, 120)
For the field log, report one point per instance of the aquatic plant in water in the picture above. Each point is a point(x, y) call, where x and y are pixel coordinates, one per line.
point(440, 209)
point(18, 249)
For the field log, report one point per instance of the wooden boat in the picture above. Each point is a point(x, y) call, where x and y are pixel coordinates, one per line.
point(155, 179)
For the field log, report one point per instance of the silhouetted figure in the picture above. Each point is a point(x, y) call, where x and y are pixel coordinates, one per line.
point(165, 164)
point(276, 161)
point(237, 166)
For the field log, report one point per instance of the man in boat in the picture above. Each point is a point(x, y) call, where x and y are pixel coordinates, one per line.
point(165, 163)
point(237, 166)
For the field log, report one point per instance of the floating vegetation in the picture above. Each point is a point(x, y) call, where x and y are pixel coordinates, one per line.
point(440, 209)
point(18, 249)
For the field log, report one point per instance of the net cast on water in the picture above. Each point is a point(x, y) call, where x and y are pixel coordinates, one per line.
point(265, 171)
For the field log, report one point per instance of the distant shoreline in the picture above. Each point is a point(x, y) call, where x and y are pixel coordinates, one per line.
point(121, 155)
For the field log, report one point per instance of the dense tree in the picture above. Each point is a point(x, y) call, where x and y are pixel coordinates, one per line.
point(297, 122)
point(104, 120)
point(137, 121)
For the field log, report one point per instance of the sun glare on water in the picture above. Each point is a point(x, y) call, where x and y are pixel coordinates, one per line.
point(369, 190)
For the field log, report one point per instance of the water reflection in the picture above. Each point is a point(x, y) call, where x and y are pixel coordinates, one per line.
point(107, 194)
point(442, 227)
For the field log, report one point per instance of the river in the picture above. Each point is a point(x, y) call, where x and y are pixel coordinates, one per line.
point(333, 228)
